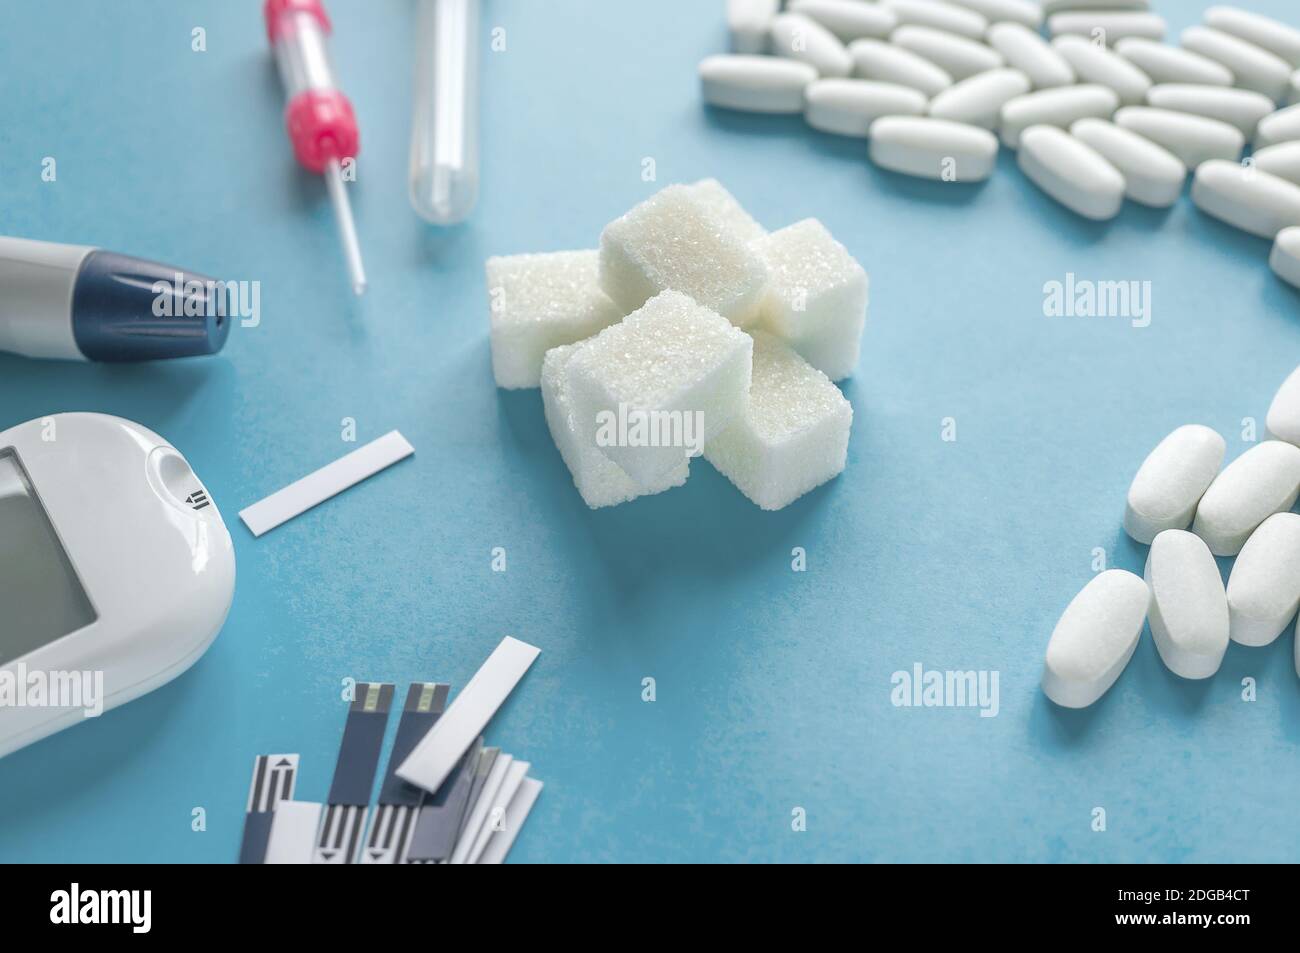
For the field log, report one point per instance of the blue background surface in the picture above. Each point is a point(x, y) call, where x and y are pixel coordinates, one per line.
point(773, 686)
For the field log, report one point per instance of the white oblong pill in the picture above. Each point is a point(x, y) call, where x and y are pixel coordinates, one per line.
point(1153, 175)
point(1283, 419)
point(848, 107)
point(978, 100)
point(1055, 107)
point(938, 16)
point(1285, 262)
point(933, 148)
point(797, 37)
point(1281, 126)
point(1095, 638)
point(1253, 67)
point(765, 84)
point(848, 19)
point(1171, 481)
point(1194, 139)
point(1096, 64)
point(1246, 198)
point(1264, 585)
point(1172, 64)
point(1108, 26)
point(1189, 607)
point(1282, 160)
point(957, 56)
point(750, 23)
point(1262, 481)
point(1243, 108)
point(1265, 32)
point(1293, 89)
point(1024, 12)
point(874, 59)
point(1025, 50)
point(1072, 172)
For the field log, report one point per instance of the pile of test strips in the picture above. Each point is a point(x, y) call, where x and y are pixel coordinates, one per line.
point(691, 331)
point(1242, 511)
point(1102, 112)
point(445, 798)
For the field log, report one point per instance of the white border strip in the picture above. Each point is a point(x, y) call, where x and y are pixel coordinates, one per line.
point(328, 481)
point(495, 818)
point(478, 814)
point(441, 748)
point(293, 833)
point(501, 841)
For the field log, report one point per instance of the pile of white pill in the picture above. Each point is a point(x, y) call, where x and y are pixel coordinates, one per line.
point(1241, 510)
point(1100, 112)
point(691, 330)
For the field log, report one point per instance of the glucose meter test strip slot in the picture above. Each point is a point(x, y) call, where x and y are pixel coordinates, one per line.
point(502, 839)
point(439, 751)
point(79, 303)
point(328, 481)
point(293, 832)
point(440, 816)
point(354, 774)
point(274, 778)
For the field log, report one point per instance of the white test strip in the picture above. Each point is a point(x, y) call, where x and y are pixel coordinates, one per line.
point(464, 720)
point(479, 812)
point(494, 818)
point(501, 841)
point(333, 478)
point(293, 833)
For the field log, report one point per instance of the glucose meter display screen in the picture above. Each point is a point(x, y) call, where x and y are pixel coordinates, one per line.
point(41, 598)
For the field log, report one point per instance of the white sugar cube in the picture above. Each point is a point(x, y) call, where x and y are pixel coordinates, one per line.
point(652, 390)
point(537, 302)
point(676, 241)
point(598, 478)
point(716, 199)
point(816, 298)
point(793, 434)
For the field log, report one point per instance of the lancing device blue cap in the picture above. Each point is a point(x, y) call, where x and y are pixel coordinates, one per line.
point(73, 302)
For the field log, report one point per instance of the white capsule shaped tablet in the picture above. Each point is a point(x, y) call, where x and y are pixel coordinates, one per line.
point(848, 107)
point(1107, 26)
point(1172, 64)
point(1072, 172)
point(1262, 481)
point(764, 84)
point(1264, 585)
point(1253, 67)
point(1283, 420)
point(874, 59)
point(1024, 12)
point(938, 16)
point(797, 37)
point(848, 19)
point(1265, 32)
point(933, 148)
point(1171, 481)
point(1055, 107)
point(978, 100)
point(1246, 198)
point(1282, 160)
point(1025, 50)
point(1096, 64)
point(957, 56)
point(1189, 607)
point(1194, 139)
point(1281, 126)
point(750, 24)
point(1293, 89)
point(1153, 175)
point(1095, 638)
point(1285, 262)
point(1243, 108)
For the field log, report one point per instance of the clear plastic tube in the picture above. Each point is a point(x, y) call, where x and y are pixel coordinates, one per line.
point(444, 126)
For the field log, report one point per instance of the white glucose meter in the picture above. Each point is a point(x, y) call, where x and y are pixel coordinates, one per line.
point(113, 560)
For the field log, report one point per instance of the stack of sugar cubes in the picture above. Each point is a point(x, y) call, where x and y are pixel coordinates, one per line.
point(691, 330)
point(1189, 508)
point(1102, 112)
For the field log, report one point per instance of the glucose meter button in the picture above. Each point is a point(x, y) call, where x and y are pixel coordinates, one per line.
point(172, 477)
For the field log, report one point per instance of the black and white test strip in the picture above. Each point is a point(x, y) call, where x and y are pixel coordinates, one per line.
point(274, 777)
point(354, 775)
point(399, 801)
